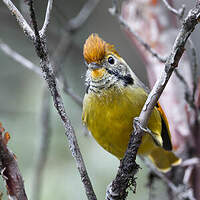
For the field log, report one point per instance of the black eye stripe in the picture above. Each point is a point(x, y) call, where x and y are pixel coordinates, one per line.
point(127, 79)
point(112, 72)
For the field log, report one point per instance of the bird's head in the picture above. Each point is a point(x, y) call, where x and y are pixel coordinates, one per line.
point(105, 67)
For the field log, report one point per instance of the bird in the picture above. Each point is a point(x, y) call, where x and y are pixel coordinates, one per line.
point(114, 97)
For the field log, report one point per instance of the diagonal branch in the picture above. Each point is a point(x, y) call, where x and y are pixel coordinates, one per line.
point(140, 40)
point(128, 167)
point(19, 58)
point(41, 49)
point(82, 16)
point(115, 12)
point(189, 96)
point(47, 18)
point(31, 66)
point(179, 12)
point(20, 19)
point(42, 52)
point(194, 67)
point(65, 44)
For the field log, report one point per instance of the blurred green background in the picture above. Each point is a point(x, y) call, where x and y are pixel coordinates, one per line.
point(21, 93)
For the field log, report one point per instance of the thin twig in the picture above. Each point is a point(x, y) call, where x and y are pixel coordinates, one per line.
point(180, 191)
point(44, 144)
point(171, 8)
point(194, 67)
point(31, 66)
point(190, 162)
point(49, 76)
point(76, 22)
point(47, 18)
point(10, 171)
point(42, 52)
point(188, 95)
point(20, 19)
point(139, 39)
point(62, 49)
point(170, 184)
point(187, 175)
point(114, 10)
point(19, 58)
point(58, 56)
point(128, 167)
point(65, 44)
point(179, 12)
point(71, 93)
point(177, 51)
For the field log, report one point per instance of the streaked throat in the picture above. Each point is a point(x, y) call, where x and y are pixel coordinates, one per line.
point(96, 81)
point(99, 85)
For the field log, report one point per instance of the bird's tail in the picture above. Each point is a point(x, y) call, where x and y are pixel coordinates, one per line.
point(163, 159)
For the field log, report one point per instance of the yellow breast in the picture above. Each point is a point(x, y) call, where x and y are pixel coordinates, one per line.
point(109, 116)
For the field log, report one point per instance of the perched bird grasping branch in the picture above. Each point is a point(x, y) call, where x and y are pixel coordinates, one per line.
point(114, 97)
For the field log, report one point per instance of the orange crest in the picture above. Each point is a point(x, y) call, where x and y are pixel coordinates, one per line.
point(95, 49)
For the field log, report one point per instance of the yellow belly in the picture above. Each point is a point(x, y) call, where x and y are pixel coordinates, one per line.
point(109, 116)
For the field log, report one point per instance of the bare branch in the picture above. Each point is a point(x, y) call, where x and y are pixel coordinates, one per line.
point(181, 191)
point(31, 66)
point(20, 19)
point(128, 167)
point(71, 93)
point(61, 51)
point(65, 44)
point(42, 52)
point(83, 15)
point(47, 18)
point(139, 39)
point(191, 162)
point(179, 12)
point(172, 62)
point(188, 96)
point(187, 175)
point(19, 58)
point(194, 66)
point(44, 144)
point(115, 8)
point(9, 169)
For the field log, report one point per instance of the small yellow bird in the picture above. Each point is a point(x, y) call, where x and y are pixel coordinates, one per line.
point(114, 97)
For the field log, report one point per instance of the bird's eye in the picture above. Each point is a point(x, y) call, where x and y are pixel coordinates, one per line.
point(111, 60)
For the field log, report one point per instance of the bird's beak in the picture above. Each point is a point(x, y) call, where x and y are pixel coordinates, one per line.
point(97, 70)
point(94, 66)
